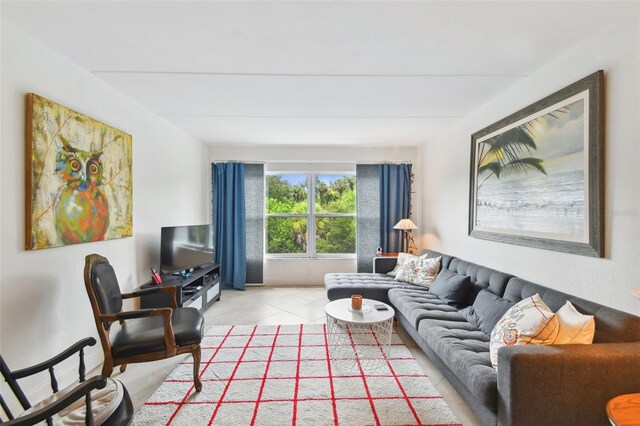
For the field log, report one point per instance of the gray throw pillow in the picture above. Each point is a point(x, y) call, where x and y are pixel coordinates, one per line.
point(486, 310)
point(451, 288)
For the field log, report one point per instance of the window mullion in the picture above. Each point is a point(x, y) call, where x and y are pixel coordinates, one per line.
point(311, 220)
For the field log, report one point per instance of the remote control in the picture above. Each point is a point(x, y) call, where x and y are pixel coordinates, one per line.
point(381, 307)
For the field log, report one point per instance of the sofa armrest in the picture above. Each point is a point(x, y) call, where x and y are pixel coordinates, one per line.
point(382, 265)
point(564, 384)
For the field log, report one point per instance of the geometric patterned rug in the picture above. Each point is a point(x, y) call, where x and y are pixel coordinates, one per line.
point(281, 374)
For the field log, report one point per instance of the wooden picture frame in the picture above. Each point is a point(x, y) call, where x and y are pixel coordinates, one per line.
point(536, 176)
point(78, 177)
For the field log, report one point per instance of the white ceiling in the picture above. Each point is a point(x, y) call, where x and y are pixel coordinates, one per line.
point(341, 73)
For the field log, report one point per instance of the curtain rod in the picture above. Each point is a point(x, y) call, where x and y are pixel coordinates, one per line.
point(238, 161)
point(315, 161)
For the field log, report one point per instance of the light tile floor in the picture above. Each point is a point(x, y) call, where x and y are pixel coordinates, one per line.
point(275, 305)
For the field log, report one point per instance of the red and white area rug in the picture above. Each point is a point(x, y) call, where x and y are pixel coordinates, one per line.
point(280, 375)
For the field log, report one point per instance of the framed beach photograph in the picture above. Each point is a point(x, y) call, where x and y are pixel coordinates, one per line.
point(536, 175)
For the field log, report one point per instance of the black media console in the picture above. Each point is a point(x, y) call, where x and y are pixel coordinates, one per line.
point(199, 290)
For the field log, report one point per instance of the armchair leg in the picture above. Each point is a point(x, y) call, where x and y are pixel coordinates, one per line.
point(123, 367)
point(107, 367)
point(196, 367)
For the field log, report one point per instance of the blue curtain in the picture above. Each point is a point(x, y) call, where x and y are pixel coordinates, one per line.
point(229, 220)
point(395, 199)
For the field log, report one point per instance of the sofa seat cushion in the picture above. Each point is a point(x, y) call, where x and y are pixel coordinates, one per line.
point(144, 335)
point(465, 350)
point(104, 402)
point(418, 304)
point(370, 286)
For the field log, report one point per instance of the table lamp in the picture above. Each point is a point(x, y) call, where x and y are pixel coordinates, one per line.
point(406, 226)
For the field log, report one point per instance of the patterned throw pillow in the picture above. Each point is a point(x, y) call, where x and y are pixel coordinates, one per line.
point(575, 328)
point(421, 271)
point(528, 322)
point(402, 258)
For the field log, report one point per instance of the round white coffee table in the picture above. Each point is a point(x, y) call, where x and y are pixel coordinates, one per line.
point(359, 339)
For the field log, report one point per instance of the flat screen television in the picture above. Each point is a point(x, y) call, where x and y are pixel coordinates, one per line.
point(185, 248)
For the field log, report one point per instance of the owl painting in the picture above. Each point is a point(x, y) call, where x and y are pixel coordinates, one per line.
point(81, 209)
point(80, 177)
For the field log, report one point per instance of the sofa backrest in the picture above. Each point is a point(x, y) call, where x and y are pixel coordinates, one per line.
point(481, 277)
point(612, 325)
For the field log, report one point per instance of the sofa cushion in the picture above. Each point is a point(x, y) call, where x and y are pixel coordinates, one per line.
point(370, 286)
point(465, 351)
point(421, 271)
point(528, 322)
point(402, 259)
point(481, 277)
point(417, 304)
point(575, 328)
point(452, 288)
point(486, 310)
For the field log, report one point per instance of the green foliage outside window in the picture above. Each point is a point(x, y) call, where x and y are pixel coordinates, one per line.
point(285, 197)
point(339, 197)
point(335, 235)
point(287, 235)
point(334, 194)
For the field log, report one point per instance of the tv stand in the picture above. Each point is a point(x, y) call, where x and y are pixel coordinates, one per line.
point(199, 290)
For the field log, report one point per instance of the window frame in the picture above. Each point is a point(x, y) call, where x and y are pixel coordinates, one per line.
point(311, 216)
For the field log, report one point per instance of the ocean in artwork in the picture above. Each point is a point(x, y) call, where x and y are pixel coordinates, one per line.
point(551, 204)
point(531, 177)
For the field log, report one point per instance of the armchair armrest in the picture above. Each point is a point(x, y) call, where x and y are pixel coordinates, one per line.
point(170, 289)
point(169, 336)
point(564, 384)
point(45, 365)
point(382, 265)
point(82, 390)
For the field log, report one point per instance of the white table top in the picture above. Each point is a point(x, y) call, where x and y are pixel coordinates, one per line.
point(339, 309)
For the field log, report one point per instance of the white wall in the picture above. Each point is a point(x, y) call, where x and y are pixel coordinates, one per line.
point(446, 175)
point(289, 271)
point(44, 306)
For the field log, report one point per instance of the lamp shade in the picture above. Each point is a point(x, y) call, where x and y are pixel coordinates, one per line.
point(405, 225)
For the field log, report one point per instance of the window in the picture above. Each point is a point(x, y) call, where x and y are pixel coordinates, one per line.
point(322, 202)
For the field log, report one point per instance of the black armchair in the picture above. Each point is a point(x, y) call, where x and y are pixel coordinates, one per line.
point(98, 400)
point(143, 334)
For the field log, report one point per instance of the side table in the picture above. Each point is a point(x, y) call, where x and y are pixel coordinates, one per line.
point(359, 339)
point(624, 410)
point(384, 263)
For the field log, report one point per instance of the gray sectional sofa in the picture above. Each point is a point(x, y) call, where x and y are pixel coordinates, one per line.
point(535, 385)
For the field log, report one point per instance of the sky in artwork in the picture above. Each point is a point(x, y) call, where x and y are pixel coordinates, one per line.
point(559, 137)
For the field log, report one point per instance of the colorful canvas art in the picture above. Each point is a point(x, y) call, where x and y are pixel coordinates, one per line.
point(535, 175)
point(79, 179)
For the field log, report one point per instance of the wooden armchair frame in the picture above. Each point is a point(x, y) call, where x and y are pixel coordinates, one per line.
point(103, 323)
point(83, 389)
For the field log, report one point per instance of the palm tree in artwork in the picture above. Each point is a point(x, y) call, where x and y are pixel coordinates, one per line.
point(502, 154)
